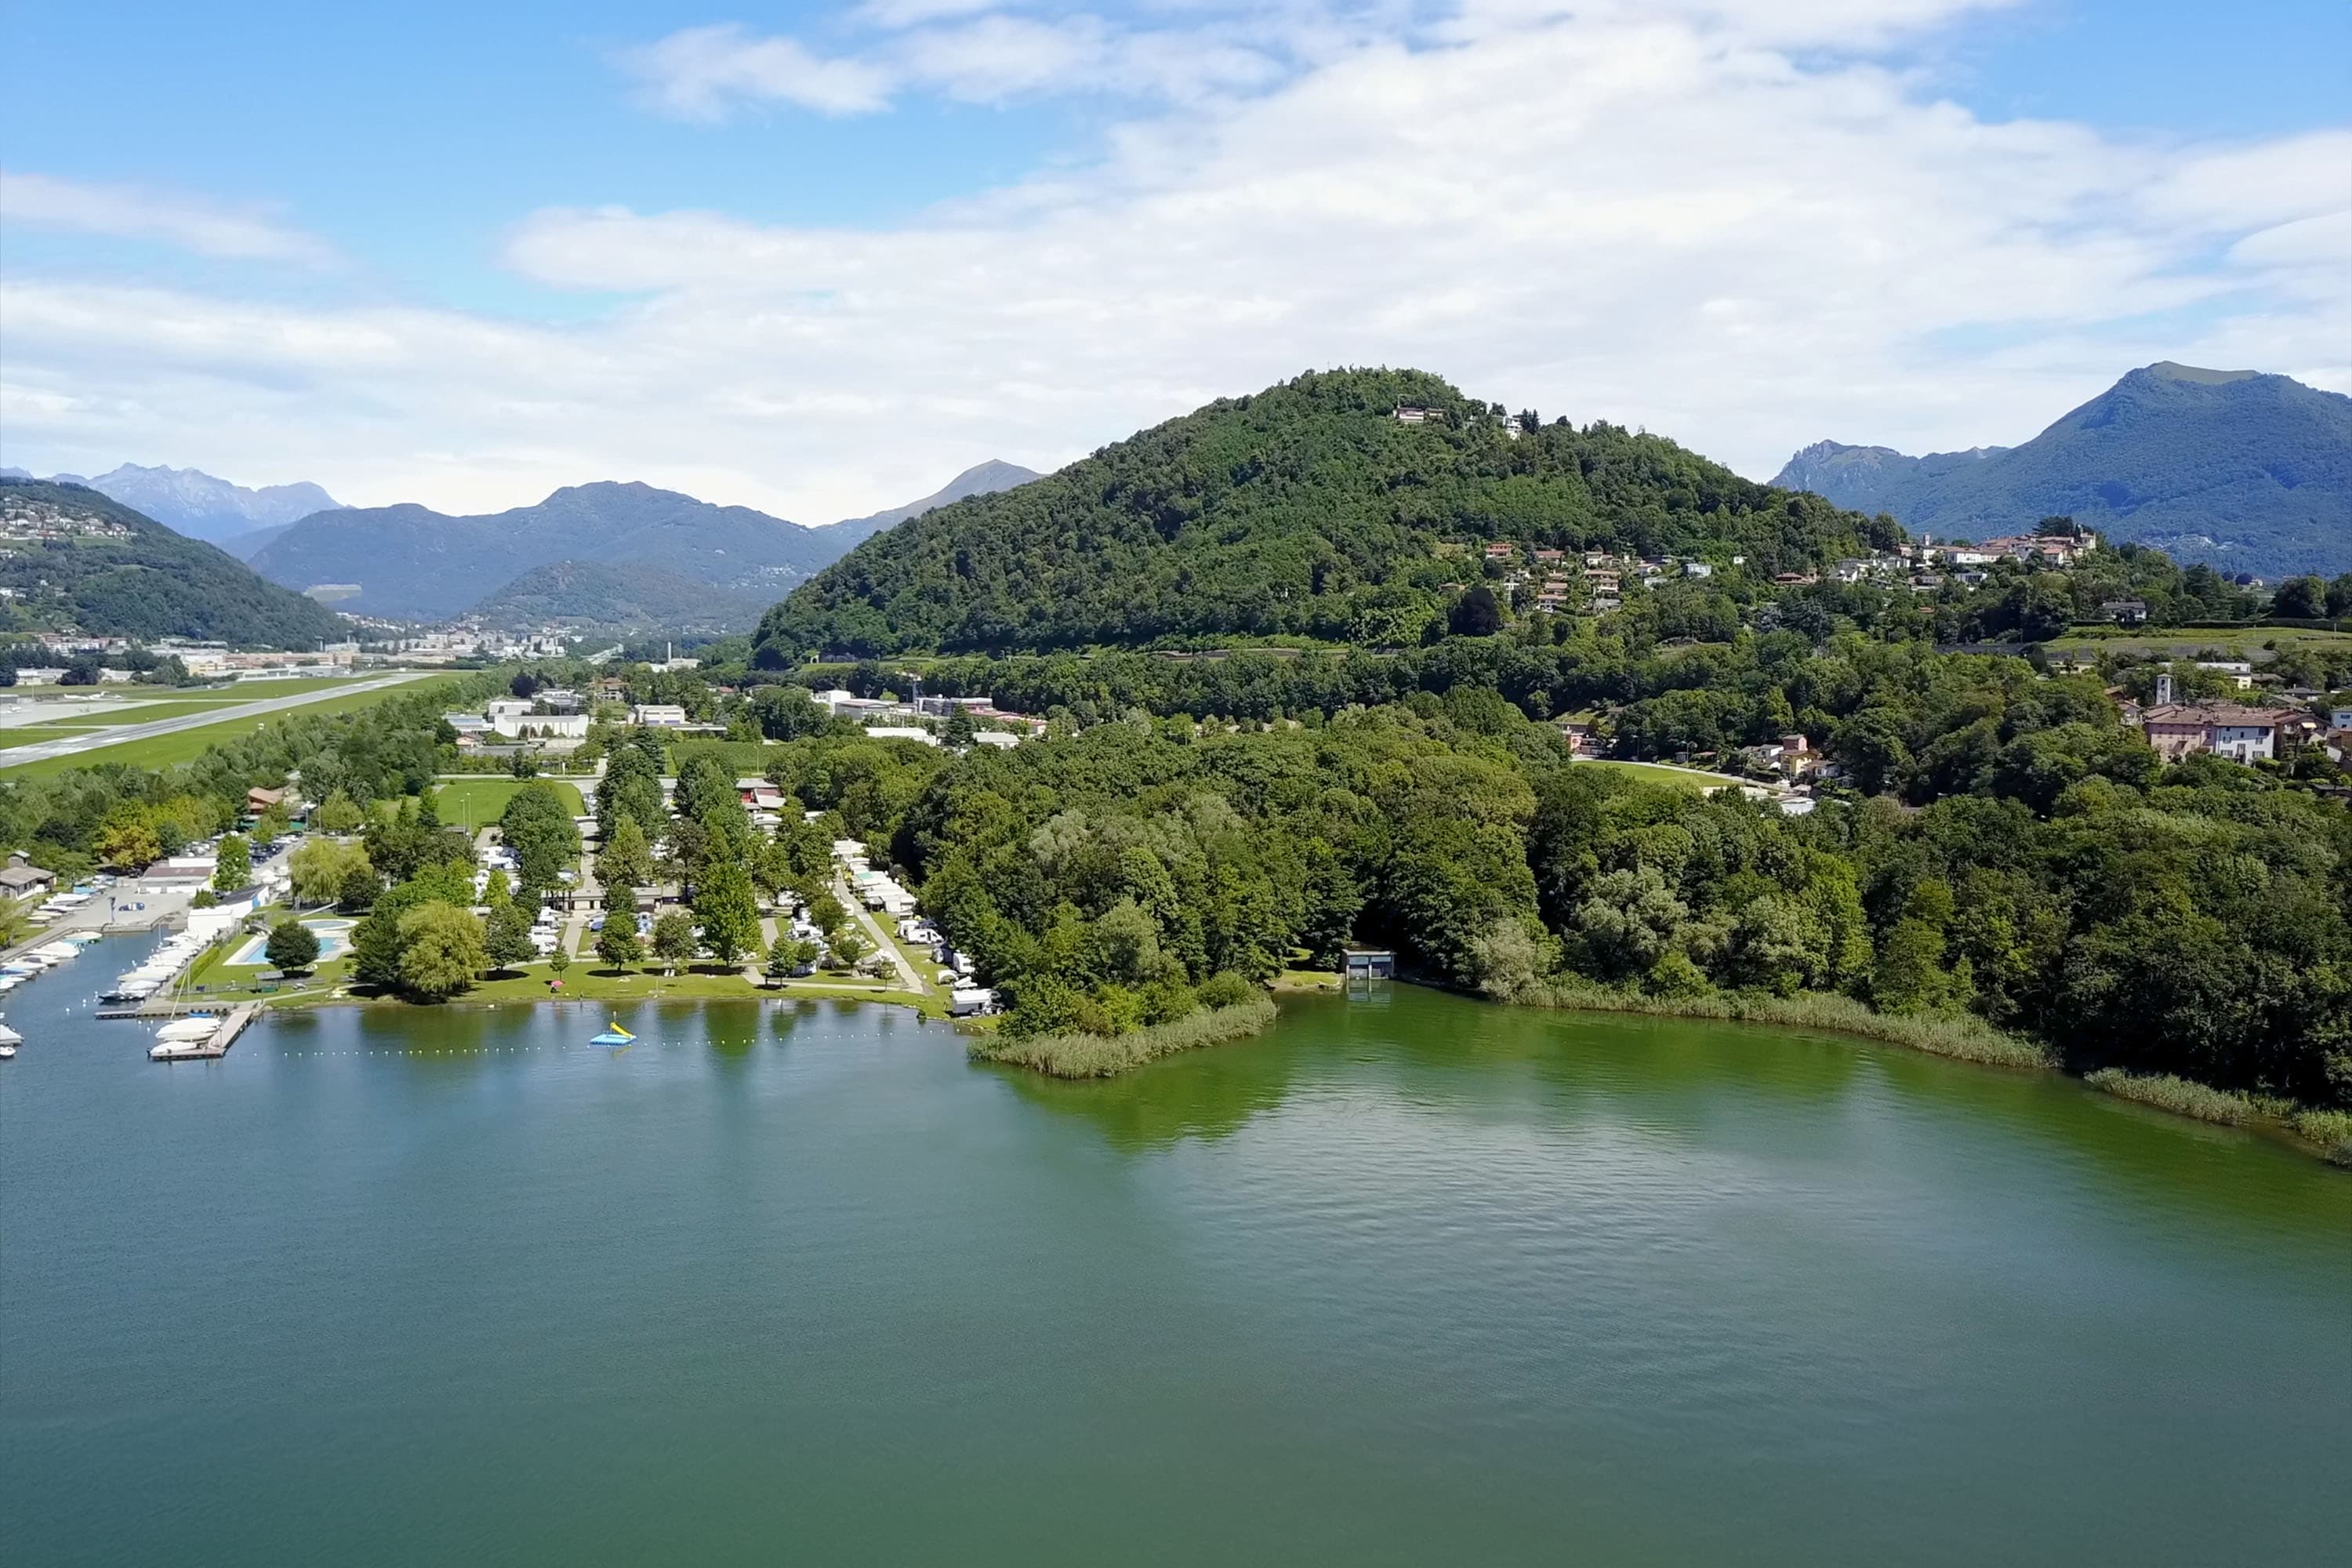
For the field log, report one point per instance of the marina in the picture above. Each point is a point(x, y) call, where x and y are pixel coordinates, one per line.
point(201, 1037)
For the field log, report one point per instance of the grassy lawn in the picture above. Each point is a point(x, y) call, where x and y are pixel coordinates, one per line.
point(161, 751)
point(2241, 640)
point(1673, 778)
point(476, 802)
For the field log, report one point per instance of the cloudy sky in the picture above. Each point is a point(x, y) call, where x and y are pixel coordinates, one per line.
point(818, 258)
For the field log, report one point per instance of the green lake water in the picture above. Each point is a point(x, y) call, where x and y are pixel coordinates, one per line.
point(1407, 1280)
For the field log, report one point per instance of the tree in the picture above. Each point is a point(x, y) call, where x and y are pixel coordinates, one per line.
point(293, 947)
point(787, 955)
point(617, 944)
point(536, 825)
point(1476, 614)
point(626, 863)
point(506, 935)
point(524, 763)
point(2300, 598)
point(559, 963)
point(275, 821)
point(233, 864)
point(847, 949)
point(674, 940)
point(724, 903)
point(959, 729)
point(1631, 919)
point(127, 838)
point(359, 887)
point(441, 951)
point(825, 913)
point(321, 866)
point(337, 813)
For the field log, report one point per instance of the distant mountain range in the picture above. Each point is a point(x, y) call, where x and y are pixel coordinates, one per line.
point(2250, 472)
point(75, 557)
point(191, 502)
point(983, 478)
point(606, 555)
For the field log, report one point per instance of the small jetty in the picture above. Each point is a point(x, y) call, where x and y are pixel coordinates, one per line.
point(205, 1046)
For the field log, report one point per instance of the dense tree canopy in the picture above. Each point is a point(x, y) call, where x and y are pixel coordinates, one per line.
point(1306, 510)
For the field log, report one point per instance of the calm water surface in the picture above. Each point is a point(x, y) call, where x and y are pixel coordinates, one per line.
point(1408, 1281)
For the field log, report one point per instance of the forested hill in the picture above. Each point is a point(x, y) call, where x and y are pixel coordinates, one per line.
point(2245, 472)
point(75, 558)
point(1306, 510)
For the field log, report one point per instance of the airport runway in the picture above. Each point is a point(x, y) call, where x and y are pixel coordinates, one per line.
point(92, 741)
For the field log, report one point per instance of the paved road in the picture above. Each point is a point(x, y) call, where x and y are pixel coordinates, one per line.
point(90, 741)
point(850, 902)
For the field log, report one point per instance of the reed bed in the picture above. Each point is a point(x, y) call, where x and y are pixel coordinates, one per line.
point(2177, 1095)
point(1963, 1036)
point(1108, 1056)
point(2330, 1130)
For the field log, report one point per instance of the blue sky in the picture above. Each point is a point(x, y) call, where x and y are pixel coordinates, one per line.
point(462, 254)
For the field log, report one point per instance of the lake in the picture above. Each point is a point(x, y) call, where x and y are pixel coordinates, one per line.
point(1411, 1280)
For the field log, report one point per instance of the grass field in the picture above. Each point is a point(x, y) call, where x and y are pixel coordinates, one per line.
point(474, 803)
point(2244, 642)
point(1691, 778)
point(161, 751)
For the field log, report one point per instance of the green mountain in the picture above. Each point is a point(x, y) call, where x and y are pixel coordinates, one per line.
point(2245, 472)
point(626, 596)
point(71, 556)
point(1310, 508)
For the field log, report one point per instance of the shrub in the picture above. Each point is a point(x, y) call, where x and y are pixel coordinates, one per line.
point(1227, 990)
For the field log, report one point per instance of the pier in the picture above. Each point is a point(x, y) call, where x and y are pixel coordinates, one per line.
point(215, 1045)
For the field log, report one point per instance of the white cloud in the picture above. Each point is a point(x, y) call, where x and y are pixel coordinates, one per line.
point(908, 13)
point(1667, 217)
point(701, 72)
point(124, 212)
point(948, 48)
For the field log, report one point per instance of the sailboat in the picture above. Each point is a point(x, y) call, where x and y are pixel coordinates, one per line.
point(616, 1036)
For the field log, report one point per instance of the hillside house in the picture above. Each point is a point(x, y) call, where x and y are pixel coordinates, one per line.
point(2232, 730)
point(1419, 413)
point(2124, 611)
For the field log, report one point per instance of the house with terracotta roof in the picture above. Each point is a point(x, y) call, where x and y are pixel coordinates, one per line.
point(2232, 730)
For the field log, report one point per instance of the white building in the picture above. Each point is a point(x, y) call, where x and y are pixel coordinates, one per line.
point(658, 715)
point(542, 726)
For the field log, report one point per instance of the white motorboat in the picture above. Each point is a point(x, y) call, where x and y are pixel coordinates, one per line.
point(9, 1040)
point(168, 1049)
point(197, 1028)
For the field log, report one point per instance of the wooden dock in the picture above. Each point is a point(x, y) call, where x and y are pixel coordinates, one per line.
point(221, 1040)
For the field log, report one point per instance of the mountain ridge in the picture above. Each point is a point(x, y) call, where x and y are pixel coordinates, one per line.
point(413, 562)
point(2243, 470)
point(199, 505)
point(76, 556)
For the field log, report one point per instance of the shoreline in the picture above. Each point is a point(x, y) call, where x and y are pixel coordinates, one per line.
point(2324, 1133)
